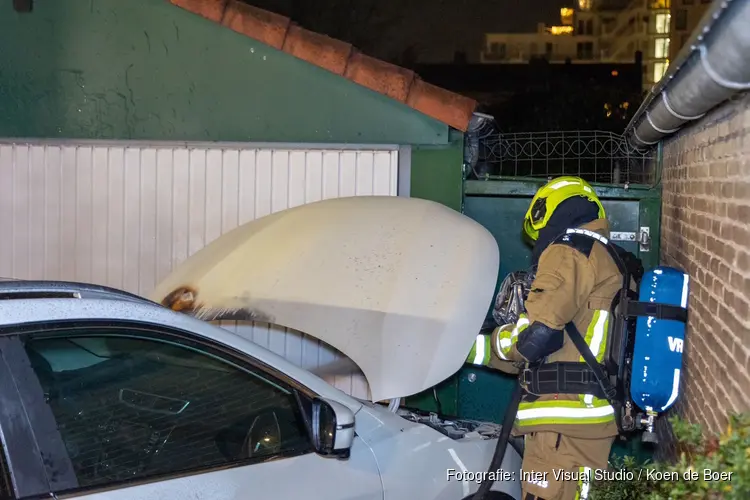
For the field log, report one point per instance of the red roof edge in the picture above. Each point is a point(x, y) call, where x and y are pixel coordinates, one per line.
point(337, 57)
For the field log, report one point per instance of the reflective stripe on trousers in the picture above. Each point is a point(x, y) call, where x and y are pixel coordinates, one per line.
point(564, 412)
point(584, 482)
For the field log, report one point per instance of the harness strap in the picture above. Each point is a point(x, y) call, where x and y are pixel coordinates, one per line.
point(602, 380)
point(658, 311)
point(610, 391)
point(564, 377)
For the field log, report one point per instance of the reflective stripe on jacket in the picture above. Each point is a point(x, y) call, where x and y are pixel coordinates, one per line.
point(499, 344)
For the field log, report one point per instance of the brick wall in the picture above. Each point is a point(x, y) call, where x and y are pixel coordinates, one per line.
point(706, 231)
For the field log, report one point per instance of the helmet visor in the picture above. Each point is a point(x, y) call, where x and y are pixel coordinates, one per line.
point(538, 211)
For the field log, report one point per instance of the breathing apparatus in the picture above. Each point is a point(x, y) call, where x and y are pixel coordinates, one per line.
point(511, 296)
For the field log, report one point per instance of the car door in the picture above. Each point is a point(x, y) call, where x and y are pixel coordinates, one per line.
point(134, 411)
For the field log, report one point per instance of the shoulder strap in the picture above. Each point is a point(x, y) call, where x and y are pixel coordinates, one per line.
point(607, 245)
point(613, 253)
point(632, 307)
point(610, 391)
point(582, 243)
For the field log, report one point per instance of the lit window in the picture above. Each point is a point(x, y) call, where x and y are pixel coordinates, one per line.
point(566, 16)
point(660, 4)
point(561, 30)
point(661, 48)
point(584, 4)
point(662, 23)
point(659, 69)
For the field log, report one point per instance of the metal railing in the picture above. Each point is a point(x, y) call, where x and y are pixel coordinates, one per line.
point(597, 156)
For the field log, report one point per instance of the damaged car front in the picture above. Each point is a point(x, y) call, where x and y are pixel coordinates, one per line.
point(401, 286)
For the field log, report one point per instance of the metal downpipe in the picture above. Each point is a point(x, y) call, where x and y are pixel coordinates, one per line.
point(718, 66)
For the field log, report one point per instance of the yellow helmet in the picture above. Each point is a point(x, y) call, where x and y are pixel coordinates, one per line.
point(549, 196)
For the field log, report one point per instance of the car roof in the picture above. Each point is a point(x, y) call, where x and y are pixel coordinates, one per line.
point(12, 288)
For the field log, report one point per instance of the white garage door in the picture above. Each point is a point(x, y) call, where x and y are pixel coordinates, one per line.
point(124, 215)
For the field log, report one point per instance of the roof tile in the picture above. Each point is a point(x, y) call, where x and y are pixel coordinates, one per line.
point(338, 57)
point(380, 76)
point(448, 107)
point(318, 49)
point(256, 23)
point(212, 10)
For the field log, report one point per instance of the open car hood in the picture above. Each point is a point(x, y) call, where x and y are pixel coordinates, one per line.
point(400, 285)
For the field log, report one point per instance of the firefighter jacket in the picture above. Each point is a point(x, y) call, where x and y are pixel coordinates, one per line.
point(576, 281)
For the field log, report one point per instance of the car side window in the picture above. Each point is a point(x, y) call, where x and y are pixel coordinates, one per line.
point(130, 406)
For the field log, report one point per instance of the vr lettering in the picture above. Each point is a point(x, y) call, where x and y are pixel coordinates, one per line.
point(675, 344)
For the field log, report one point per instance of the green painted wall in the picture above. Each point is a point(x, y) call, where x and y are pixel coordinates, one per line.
point(436, 172)
point(144, 69)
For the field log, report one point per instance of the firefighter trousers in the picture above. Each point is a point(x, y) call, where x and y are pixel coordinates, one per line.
point(559, 467)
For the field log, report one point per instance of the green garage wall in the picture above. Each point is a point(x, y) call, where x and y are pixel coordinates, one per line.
point(436, 172)
point(113, 69)
point(146, 70)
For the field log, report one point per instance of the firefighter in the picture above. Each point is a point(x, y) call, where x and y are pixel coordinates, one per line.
point(567, 435)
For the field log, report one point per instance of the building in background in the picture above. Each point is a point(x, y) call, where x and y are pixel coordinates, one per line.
point(685, 17)
point(540, 96)
point(594, 31)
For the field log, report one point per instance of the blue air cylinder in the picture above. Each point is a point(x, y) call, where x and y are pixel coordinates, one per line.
point(658, 343)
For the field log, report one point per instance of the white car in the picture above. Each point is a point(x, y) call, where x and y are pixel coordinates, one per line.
point(106, 395)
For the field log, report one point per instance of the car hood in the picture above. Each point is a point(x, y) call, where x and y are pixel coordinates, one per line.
point(400, 285)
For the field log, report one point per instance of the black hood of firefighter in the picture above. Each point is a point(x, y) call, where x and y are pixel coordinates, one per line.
point(573, 212)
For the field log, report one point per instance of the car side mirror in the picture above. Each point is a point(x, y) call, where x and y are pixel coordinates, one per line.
point(332, 428)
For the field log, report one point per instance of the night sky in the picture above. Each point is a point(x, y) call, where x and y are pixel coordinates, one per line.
point(431, 29)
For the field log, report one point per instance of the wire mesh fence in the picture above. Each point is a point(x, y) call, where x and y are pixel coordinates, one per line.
point(596, 156)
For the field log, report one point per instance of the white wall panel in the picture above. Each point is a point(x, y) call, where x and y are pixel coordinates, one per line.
point(124, 215)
